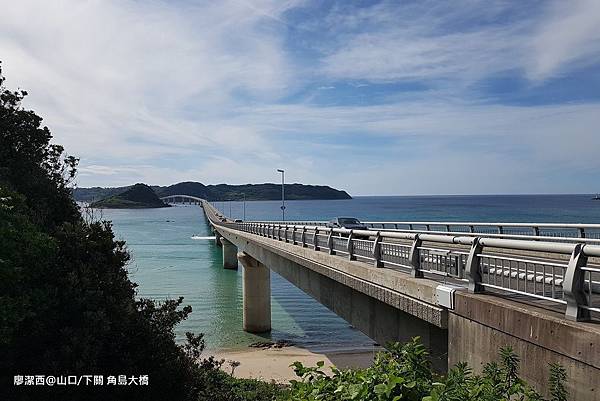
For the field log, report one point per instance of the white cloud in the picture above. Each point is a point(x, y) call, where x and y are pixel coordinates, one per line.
point(567, 35)
point(400, 55)
point(104, 71)
point(414, 42)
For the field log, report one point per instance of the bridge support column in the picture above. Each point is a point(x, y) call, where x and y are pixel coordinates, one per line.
point(256, 294)
point(229, 254)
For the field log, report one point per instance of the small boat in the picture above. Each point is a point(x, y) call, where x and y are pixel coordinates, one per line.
point(597, 197)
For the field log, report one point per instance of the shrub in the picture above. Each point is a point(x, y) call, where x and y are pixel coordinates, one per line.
point(403, 372)
point(67, 306)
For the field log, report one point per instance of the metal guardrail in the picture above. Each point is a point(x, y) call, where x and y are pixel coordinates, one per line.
point(559, 232)
point(553, 230)
point(481, 262)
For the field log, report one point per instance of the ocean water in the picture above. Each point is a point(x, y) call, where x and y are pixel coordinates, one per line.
point(167, 262)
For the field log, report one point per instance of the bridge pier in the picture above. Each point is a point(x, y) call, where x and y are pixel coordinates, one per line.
point(256, 294)
point(230, 260)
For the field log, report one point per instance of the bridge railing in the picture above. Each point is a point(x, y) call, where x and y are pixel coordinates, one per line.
point(552, 271)
point(559, 232)
point(545, 231)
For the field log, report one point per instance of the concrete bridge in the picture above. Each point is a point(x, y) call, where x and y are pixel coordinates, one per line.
point(465, 293)
point(183, 199)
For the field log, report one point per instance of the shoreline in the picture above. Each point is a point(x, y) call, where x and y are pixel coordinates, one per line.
point(273, 364)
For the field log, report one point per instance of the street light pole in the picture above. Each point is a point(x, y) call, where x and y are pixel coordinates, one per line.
point(282, 194)
point(244, 206)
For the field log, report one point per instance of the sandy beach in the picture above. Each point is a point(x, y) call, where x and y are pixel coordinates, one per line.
point(274, 363)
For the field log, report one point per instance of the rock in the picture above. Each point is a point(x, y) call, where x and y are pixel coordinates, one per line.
point(270, 344)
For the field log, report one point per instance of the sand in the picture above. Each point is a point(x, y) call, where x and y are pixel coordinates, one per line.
point(274, 364)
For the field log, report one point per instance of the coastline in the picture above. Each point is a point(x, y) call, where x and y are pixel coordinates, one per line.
point(273, 364)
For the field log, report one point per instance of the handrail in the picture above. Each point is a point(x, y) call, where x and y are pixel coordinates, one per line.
point(456, 223)
point(588, 233)
point(487, 224)
point(564, 282)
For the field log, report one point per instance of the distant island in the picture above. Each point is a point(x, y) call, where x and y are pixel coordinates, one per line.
point(220, 192)
point(138, 196)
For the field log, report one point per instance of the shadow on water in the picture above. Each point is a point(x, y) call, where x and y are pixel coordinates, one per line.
point(313, 326)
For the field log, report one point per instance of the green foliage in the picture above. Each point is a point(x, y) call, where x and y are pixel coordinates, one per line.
point(67, 306)
point(558, 377)
point(403, 372)
point(31, 165)
point(137, 196)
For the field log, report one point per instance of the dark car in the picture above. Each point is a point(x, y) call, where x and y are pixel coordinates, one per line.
point(349, 223)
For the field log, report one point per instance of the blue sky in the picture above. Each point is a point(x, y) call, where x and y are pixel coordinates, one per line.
point(387, 98)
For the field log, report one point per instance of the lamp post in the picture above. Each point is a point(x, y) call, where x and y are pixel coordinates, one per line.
point(282, 194)
point(244, 206)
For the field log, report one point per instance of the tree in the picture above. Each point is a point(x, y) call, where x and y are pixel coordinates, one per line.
point(67, 306)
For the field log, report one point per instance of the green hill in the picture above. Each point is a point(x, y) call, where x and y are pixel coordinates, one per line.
point(139, 196)
point(268, 191)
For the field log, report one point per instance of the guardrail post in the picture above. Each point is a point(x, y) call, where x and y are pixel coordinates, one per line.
point(574, 286)
point(350, 246)
point(377, 250)
point(303, 237)
point(500, 230)
point(415, 257)
point(285, 233)
point(278, 232)
point(581, 232)
point(330, 242)
point(536, 231)
point(294, 241)
point(471, 229)
point(316, 239)
point(473, 266)
point(410, 226)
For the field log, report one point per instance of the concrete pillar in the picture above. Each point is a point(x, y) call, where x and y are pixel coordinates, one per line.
point(257, 294)
point(218, 239)
point(229, 254)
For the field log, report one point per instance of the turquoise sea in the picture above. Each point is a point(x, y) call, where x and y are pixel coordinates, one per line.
point(168, 263)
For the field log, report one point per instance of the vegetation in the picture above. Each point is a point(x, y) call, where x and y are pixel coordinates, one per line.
point(138, 196)
point(403, 372)
point(67, 306)
point(224, 192)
